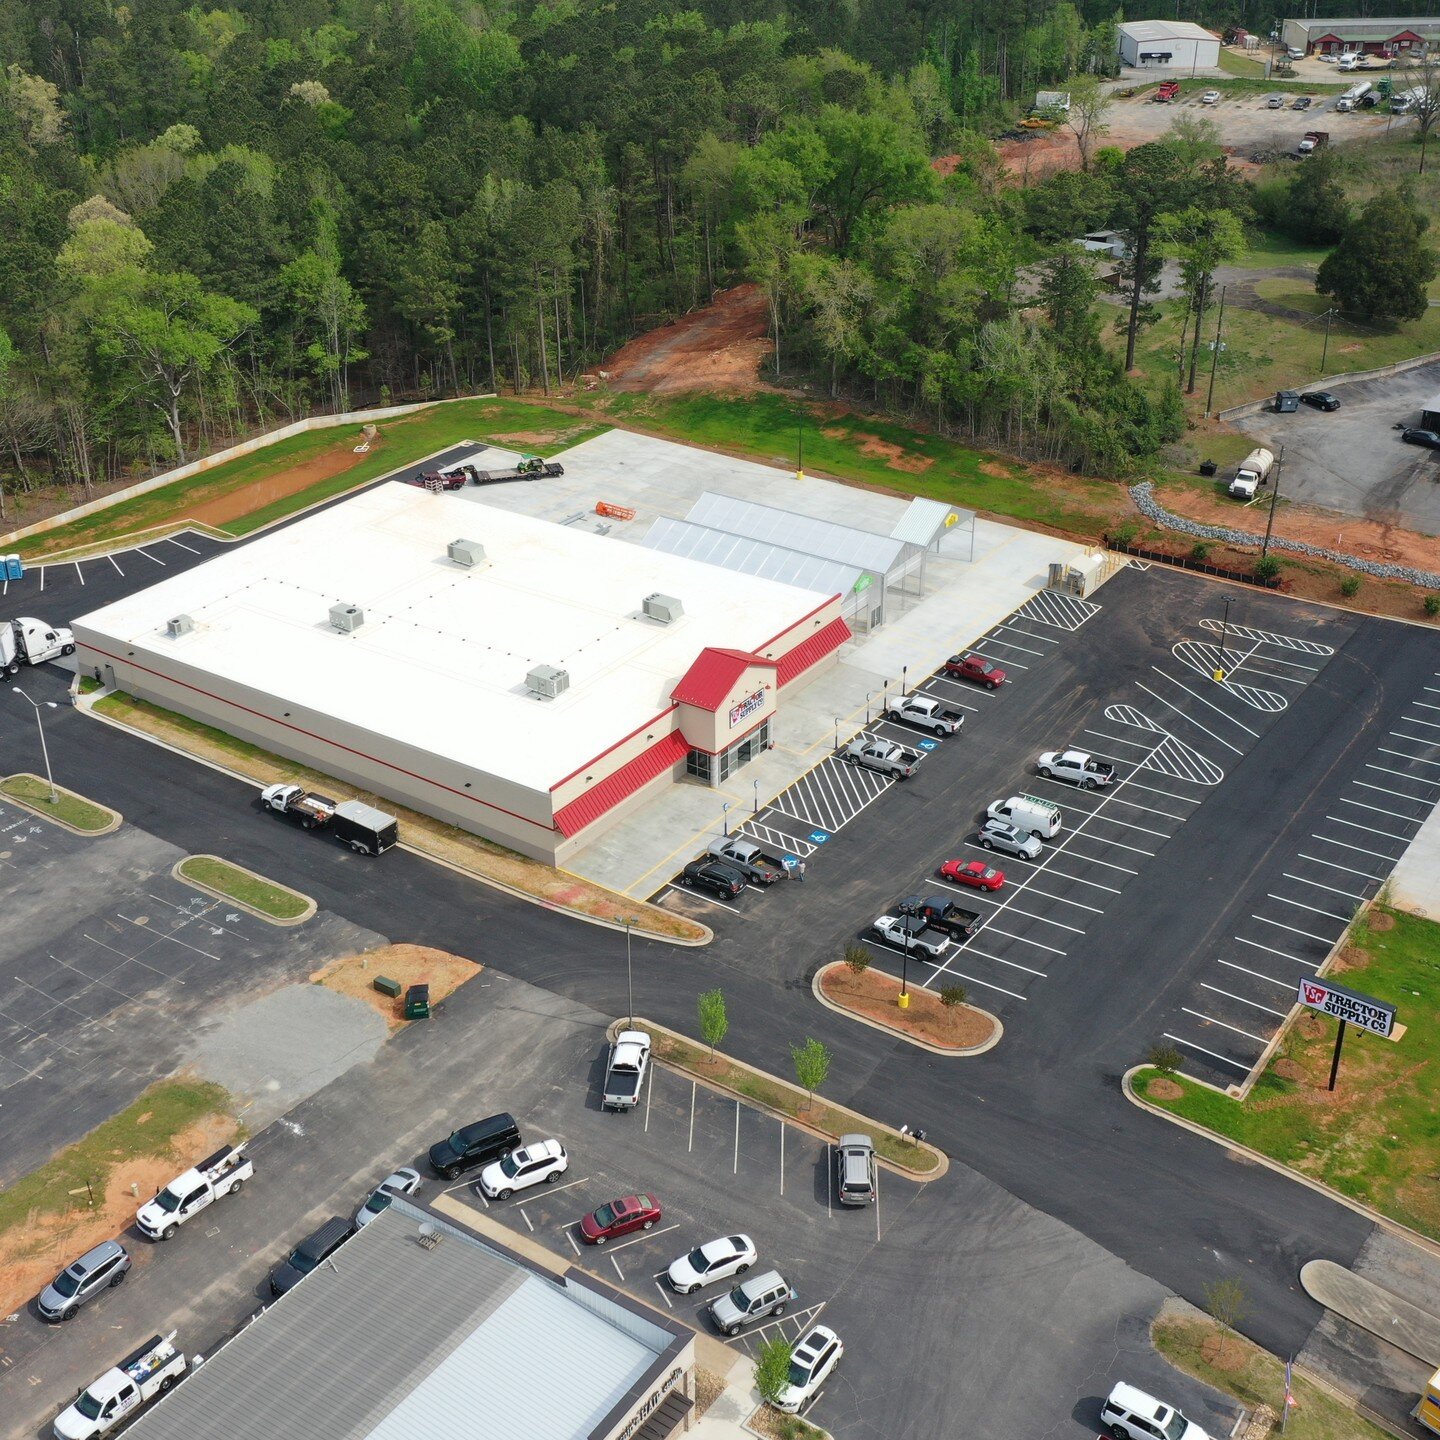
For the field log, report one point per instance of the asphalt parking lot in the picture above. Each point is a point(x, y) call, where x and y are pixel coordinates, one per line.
point(1352, 459)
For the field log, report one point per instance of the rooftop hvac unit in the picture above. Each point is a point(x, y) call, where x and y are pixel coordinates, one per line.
point(347, 618)
point(548, 681)
point(180, 625)
point(664, 608)
point(465, 552)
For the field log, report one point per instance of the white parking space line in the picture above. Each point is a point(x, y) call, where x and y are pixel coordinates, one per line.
point(1314, 909)
point(1211, 1020)
point(618, 1270)
point(1320, 885)
point(1004, 661)
point(1283, 954)
point(573, 1245)
point(1403, 775)
point(1224, 1059)
point(798, 819)
point(1295, 930)
point(1110, 864)
point(1131, 825)
point(1010, 645)
point(143, 551)
point(1044, 919)
point(974, 980)
point(1359, 849)
point(1331, 865)
point(700, 895)
point(1405, 755)
point(1156, 790)
point(1414, 739)
point(80, 576)
point(642, 1236)
point(1222, 713)
point(950, 699)
point(1416, 720)
point(1394, 794)
point(1080, 879)
point(1116, 740)
point(1093, 909)
point(1268, 637)
point(174, 541)
point(1029, 635)
point(111, 559)
point(1253, 1004)
point(1151, 810)
point(1423, 705)
point(1287, 985)
point(1023, 939)
point(663, 1295)
point(1381, 810)
point(973, 949)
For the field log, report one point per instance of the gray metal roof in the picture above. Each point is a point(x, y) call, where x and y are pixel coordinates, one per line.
point(1387, 24)
point(752, 557)
point(824, 538)
point(924, 520)
point(396, 1341)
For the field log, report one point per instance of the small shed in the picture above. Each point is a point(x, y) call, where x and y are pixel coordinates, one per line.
point(1430, 414)
point(1055, 101)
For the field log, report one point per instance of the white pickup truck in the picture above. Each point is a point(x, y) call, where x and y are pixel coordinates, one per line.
point(1077, 767)
point(220, 1174)
point(137, 1379)
point(881, 755)
point(912, 934)
point(625, 1074)
point(925, 713)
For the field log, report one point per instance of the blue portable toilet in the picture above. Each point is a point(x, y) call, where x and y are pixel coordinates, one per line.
point(14, 567)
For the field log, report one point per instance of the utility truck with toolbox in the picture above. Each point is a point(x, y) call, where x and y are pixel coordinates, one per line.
point(1078, 767)
point(135, 1381)
point(1254, 472)
point(625, 1074)
point(749, 859)
point(889, 759)
point(28, 641)
point(925, 713)
point(366, 830)
point(218, 1175)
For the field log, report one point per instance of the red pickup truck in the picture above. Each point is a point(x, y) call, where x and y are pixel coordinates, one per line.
point(972, 667)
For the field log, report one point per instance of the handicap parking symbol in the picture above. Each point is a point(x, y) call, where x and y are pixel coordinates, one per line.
point(927, 744)
point(819, 837)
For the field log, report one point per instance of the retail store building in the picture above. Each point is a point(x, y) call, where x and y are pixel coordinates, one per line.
point(1364, 35)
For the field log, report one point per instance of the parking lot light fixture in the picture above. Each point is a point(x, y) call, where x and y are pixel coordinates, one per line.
point(629, 971)
point(869, 696)
point(1224, 633)
point(725, 819)
point(756, 786)
point(39, 705)
point(903, 998)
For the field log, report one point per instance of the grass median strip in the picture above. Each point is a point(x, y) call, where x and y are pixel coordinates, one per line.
point(1376, 1136)
point(67, 807)
point(251, 890)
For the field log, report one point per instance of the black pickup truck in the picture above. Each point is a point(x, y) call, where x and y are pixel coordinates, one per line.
point(942, 914)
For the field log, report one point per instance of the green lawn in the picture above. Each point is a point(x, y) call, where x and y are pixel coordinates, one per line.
point(268, 898)
point(70, 808)
point(148, 1127)
point(1243, 67)
point(403, 440)
point(1243, 87)
point(1378, 1138)
point(1270, 249)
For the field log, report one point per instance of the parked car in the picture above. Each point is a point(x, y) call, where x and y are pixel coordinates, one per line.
point(974, 873)
point(1321, 399)
point(1413, 435)
point(1275, 102)
point(312, 1252)
point(855, 1170)
point(1079, 767)
point(913, 935)
point(973, 667)
point(1131, 1414)
point(715, 1260)
point(404, 1181)
point(620, 1217)
point(1210, 97)
point(1002, 835)
point(541, 1163)
point(723, 881)
point(476, 1144)
point(79, 1283)
point(751, 1300)
point(814, 1357)
point(925, 712)
point(1302, 102)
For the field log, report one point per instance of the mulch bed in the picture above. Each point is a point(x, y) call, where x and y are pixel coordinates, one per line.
point(873, 995)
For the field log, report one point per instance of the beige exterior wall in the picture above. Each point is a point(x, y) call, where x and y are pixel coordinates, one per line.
point(679, 1376)
point(609, 761)
point(714, 732)
point(784, 643)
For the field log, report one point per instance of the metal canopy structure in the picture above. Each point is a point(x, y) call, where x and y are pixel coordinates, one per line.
point(751, 557)
point(878, 553)
point(925, 522)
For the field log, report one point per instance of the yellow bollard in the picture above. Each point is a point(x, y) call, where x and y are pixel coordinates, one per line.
point(903, 1000)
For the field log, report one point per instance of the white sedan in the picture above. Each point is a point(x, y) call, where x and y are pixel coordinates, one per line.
point(715, 1260)
point(1210, 97)
point(540, 1164)
point(811, 1363)
point(402, 1182)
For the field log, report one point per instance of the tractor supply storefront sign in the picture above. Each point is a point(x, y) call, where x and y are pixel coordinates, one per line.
point(1349, 1006)
point(747, 707)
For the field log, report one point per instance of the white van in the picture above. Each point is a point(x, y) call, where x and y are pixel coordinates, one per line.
point(1131, 1414)
point(1029, 813)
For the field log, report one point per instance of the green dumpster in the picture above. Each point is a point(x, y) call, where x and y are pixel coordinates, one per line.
point(417, 1002)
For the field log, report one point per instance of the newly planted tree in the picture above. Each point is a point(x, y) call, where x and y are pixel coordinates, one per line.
point(812, 1066)
point(714, 1022)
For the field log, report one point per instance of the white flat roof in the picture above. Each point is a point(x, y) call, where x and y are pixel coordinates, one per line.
point(441, 660)
point(1148, 31)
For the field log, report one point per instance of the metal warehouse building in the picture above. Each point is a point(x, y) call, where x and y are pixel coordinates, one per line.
point(1389, 36)
point(524, 680)
point(1168, 44)
point(417, 1328)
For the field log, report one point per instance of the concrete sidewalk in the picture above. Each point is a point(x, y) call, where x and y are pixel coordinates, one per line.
point(1372, 1307)
point(1415, 881)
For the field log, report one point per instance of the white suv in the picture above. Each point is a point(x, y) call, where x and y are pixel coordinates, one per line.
point(542, 1163)
point(1131, 1414)
point(811, 1362)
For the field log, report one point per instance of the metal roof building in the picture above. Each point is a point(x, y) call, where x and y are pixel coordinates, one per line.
point(1168, 44)
point(417, 1328)
point(1375, 35)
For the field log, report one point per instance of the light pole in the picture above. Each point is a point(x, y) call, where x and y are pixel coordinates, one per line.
point(38, 705)
point(725, 820)
point(1224, 631)
point(903, 999)
point(837, 733)
point(629, 971)
point(1274, 496)
point(756, 809)
point(1325, 349)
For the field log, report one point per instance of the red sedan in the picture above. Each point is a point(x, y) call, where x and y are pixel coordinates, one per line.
point(619, 1217)
point(974, 873)
point(972, 667)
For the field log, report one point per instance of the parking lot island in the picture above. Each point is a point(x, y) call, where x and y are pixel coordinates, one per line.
point(72, 811)
point(871, 996)
point(276, 903)
point(914, 1158)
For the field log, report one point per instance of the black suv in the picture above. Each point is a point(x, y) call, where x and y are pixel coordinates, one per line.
point(723, 881)
point(476, 1144)
point(308, 1255)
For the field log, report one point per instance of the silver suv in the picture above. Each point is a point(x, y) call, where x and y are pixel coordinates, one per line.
point(1001, 835)
point(99, 1269)
point(855, 1170)
point(751, 1300)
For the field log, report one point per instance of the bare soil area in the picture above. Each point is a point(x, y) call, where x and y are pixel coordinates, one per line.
point(234, 503)
point(873, 994)
point(719, 347)
point(354, 975)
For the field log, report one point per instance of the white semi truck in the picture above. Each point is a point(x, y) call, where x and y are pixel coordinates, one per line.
point(135, 1381)
point(1254, 472)
point(28, 641)
point(216, 1176)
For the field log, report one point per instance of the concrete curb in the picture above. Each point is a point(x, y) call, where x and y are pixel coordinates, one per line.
point(1395, 1227)
point(285, 922)
point(950, 1053)
point(1328, 382)
point(116, 818)
point(86, 705)
point(921, 1177)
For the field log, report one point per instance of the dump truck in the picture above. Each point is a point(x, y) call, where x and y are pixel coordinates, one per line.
point(119, 1392)
point(625, 1074)
point(362, 827)
point(1167, 92)
point(1313, 140)
point(1254, 472)
point(28, 641)
point(216, 1176)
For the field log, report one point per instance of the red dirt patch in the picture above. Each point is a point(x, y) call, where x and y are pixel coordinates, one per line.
point(1288, 1069)
point(873, 995)
point(235, 503)
point(894, 456)
point(1379, 921)
point(718, 347)
point(1223, 1352)
point(1164, 1088)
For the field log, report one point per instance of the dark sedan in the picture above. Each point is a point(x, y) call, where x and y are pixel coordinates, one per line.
point(1303, 103)
point(1321, 399)
point(1413, 435)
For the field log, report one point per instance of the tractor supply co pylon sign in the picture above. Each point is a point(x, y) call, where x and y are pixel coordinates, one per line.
point(1348, 1005)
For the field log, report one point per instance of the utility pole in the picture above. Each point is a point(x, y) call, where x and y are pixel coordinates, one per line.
point(1325, 348)
point(1215, 358)
point(1274, 496)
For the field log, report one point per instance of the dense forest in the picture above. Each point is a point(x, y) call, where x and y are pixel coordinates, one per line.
point(217, 218)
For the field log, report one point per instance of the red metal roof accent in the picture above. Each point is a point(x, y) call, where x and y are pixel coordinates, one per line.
point(661, 756)
point(710, 679)
point(812, 651)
